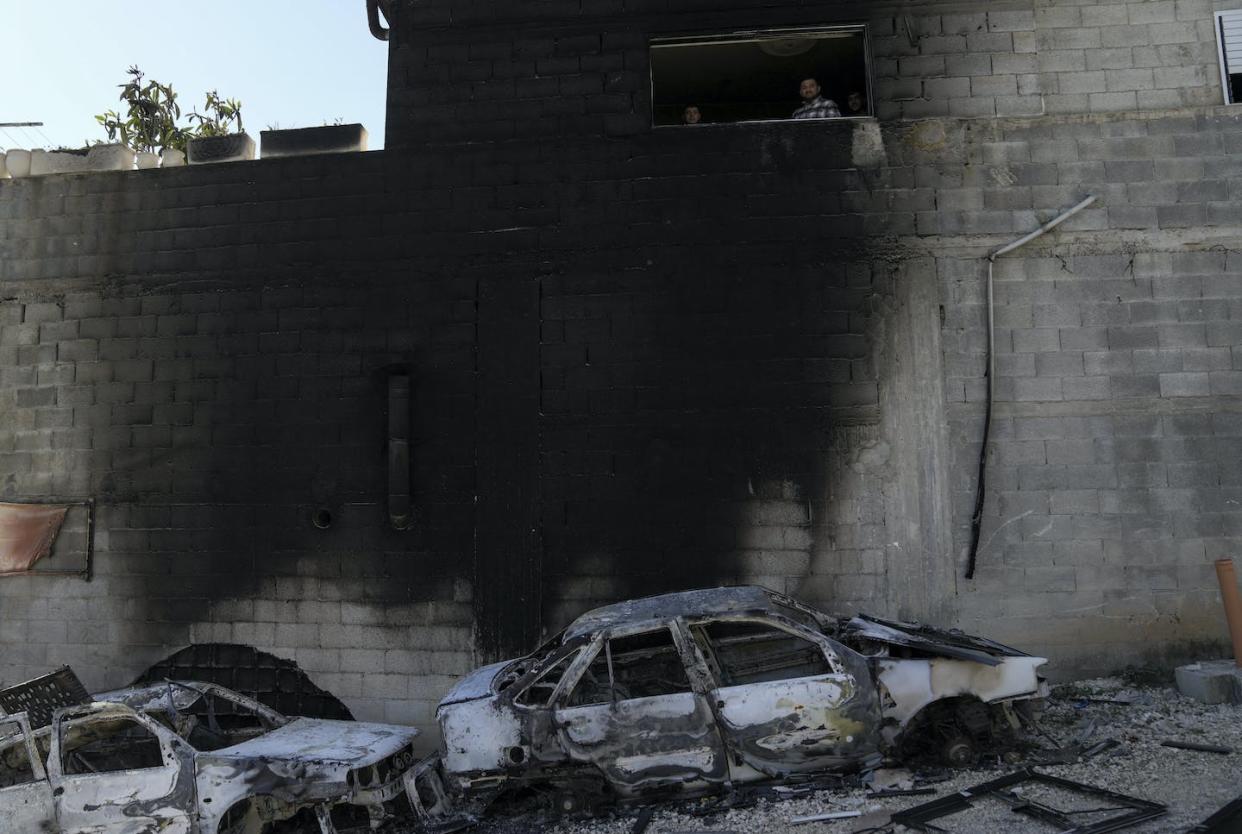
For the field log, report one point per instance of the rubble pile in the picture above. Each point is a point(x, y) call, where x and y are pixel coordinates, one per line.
point(1193, 784)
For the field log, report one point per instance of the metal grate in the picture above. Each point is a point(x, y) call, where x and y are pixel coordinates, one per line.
point(42, 696)
point(271, 680)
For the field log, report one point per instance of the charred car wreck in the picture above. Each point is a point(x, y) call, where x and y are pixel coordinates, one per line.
point(195, 758)
point(692, 692)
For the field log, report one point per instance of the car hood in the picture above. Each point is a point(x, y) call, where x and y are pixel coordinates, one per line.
point(348, 743)
point(477, 684)
point(928, 640)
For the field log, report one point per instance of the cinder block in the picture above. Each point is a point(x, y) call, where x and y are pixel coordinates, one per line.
point(1211, 682)
point(1184, 385)
point(1011, 21)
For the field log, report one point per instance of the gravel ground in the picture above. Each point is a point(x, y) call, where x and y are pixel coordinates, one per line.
point(1192, 784)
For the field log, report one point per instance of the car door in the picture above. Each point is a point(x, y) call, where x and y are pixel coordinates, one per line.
point(25, 793)
point(115, 771)
point(634, 714)
point(786, 699)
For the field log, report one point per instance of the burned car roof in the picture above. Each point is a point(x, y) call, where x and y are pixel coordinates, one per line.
point(701, 603)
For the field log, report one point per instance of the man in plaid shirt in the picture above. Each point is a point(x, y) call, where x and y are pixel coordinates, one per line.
point(815, 106)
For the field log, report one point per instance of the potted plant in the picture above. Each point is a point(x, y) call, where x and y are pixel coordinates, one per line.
point(149, 124)
point(213, 137)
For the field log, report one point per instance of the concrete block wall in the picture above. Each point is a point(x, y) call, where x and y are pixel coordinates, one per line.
point(198, 352)
point(728, 356)
point(461, 71)
point(204, 352)
point(1046, 56)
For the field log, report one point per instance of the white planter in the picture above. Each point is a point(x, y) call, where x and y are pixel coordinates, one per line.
point(4, 171)
point(110, 158)
point(18, 163)
point(172, 158)
point(148, 160)
point(56, 162)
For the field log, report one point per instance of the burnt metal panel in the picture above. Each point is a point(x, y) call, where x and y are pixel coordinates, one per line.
point(42, 696)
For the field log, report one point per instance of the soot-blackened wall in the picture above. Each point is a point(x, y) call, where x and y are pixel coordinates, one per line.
point(631, 373)
point(641, 360)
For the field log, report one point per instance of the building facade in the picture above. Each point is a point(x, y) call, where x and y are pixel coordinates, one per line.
point(643, 358)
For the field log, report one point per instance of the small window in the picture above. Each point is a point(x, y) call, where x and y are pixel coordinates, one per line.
point(107, 746)
point(15, 765)
point(540, 692)
point(640, 666)
point(760, 77)
point(755, 653)
point(1229, 41)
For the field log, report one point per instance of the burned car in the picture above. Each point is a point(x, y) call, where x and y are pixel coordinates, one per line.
point(195, 758)
point(691, 692)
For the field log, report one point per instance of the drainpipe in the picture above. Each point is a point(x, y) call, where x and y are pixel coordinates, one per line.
point(976, 520)
point(374, 7)
point(1233, 605)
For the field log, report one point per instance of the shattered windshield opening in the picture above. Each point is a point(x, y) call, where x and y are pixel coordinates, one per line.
point(540, 691)
point(213, 722)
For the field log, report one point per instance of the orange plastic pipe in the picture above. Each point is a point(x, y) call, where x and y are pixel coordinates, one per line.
point(1233, 605)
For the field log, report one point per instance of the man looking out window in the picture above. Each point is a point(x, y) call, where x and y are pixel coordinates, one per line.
point(814, 105)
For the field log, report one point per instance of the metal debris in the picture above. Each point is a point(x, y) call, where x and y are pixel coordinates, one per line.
point(1007, 789)
point(1196, 746)
point(42, 696)
point(1228, 820)
point(831, 815)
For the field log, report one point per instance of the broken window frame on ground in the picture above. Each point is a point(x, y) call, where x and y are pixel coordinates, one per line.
point(669, 114)
point(919, 817)
point(84, 570)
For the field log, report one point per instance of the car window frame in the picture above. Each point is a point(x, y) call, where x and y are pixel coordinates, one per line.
point(38, 767)
point(775, 621)
point(532, 677)
point(599, 642)
point(167, 739)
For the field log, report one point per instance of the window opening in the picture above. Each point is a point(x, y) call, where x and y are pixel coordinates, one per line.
point(107, 746)
point(754, 653)
point(642, 666)
point(746, 78)
point(15, 765)
point(540, 692)
point(1229, 43)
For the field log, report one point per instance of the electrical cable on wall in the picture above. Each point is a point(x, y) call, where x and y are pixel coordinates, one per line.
point(976, 519)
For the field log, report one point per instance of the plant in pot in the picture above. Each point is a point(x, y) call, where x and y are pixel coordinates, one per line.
point(214, 138)
point(149, 123)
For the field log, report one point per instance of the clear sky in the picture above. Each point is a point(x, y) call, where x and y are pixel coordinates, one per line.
point(292, 63)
